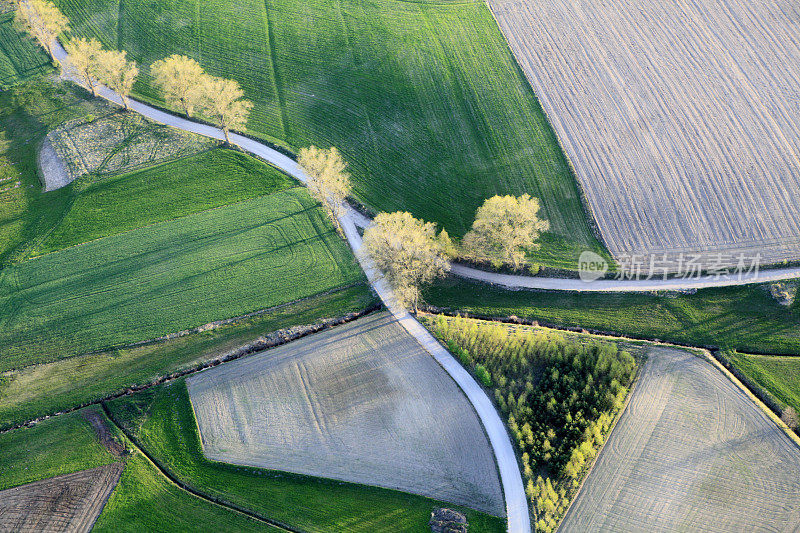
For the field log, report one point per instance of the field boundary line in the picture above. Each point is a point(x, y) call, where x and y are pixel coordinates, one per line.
point(279, 338)
point(756, 400)
point(607, 436)
point(191, 331)
point(699, 351)
point(164, 471)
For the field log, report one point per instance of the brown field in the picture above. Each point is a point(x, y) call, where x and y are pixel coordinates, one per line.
point(69, 503)
point(679, 117)
point(362, 403)
point(691, 453)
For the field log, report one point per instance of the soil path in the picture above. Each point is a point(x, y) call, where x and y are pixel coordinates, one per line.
point(288, 165)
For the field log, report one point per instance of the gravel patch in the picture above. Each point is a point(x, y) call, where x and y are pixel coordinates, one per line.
point(52, 168)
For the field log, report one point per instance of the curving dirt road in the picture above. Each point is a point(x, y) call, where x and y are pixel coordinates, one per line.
point(510, 476)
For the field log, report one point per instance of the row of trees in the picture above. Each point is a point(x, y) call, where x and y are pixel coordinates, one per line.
point(560, 398)
point(411, 252)
point(182, 81)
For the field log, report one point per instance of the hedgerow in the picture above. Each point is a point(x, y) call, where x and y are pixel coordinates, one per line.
point(559, 396)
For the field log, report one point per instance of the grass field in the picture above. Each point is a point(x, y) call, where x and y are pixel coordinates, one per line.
point(690, 453)
point(54, 447)
point(679, 131)
point(27, 113)
point(163, 422)
point(128, 201)
point(742, 318)
point(424, 100)
point(20, 57)
point(158, 279)
point(360, 403)
point(45, 389)
point(779, 375)
point(143, 500)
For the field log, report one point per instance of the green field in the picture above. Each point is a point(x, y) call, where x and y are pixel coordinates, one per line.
point(779, 375)
point(170, 276)
point(53, 447)
point(27, 113)
point(20, 57)
point(424, 100)
point(742, 318)
point(144, 500)
point(128, 201)
point(162, 421)
point(45, 389)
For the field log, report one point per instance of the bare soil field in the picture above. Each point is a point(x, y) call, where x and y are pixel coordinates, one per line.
point(680, 118)
point(361, 403)
point(71, 502)
point(691, 453)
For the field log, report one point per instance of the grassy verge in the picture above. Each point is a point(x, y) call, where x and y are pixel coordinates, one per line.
point(128, 201)
point(171, 276)
point(742, 318)
point(780, 376)
point(44, 389)
point(144, 500)
point(425, 100)
point(162, 421)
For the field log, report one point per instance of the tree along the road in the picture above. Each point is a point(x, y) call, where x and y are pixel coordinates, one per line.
point(115, 70)
point(408, 253)
point(180, 80)
point(222, 101)
point(84, 61)
point(505, 227)
point(42, 20)
point(328, 181)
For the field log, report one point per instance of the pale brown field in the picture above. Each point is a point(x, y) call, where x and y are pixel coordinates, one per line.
point(69, 503)
point(691, 453)
point(362, 403)
point(681, 118)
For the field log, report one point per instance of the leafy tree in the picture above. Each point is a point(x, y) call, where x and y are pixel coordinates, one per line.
point(42, 20)
point(328, 182)
point(179, 78)
point(406, 250)
point(84, 58)
point(222, 101)
point(504, 228)
point(117, 72)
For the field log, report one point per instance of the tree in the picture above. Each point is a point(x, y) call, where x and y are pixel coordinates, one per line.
point(406, 250)
point(42, 20)
point(504, 228)
point(117, 72)
point(221, 101)
point(84, 57)
point(790, 418)
point(179, 78)
point(327, 180)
